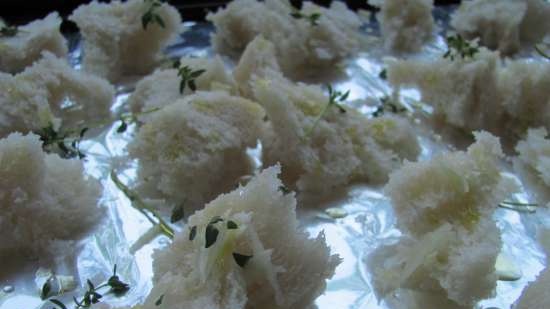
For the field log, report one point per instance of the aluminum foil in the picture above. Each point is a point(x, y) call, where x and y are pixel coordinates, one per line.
point(354, 225)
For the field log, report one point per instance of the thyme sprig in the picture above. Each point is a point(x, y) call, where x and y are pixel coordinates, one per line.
point(151, 16)
point(131, 118)
point(335, 99)
point(539, 50)
point(143, 207)
point(519, 206)
point(66, 144)
point(92, 294)
point(313, 18)
point(387, 104)
point(457, 46)
point(187, 75)
point(8, 31)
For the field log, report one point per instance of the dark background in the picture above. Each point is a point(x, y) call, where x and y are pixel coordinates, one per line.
point(22, 11)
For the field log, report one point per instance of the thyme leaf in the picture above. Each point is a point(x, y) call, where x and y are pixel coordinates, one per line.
point(58, 303)
point(231, 225)
point(241, 259)
point(177, 214)
point(188, 76)
point(117, 286)
point(151, 16)
point(284, 189)
point(130, 118)
point(457, 46)
point(46, 289)
point(383, 74)
point(210, 235)
point(313, 18)
point(158, 302)
point(192, 233)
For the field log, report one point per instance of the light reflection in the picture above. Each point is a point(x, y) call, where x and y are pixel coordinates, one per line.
point(338, 299)
point(21, 301)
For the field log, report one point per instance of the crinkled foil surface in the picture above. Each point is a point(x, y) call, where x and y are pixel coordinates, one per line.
point(369, 221)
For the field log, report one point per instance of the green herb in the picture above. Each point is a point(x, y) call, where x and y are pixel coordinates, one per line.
point(383, 74)
point(122, 128)
point(151, 16)
point(210, 235)
point(313, 18)
point(143, 207)
point(58, 303)
point(67, 144)
point(193, 233)
point(46, 289)
point(8, 31)
point(241, 259)
point(388, 105)
point(215, 220)
point(335, 98)
point(159, 301)
point(518, 206)
point(284, 189)
point(231, 225)
point(118, 287)
point(188, 76)
point(541, 52)
point(177, 214)
point(92, 296)
point(131, 118)
point(458, 46)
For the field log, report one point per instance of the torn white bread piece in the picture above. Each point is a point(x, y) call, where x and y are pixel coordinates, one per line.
point(321, 151)
point(450, 244)
point(26, 46)
point(451, 261)
point(245, 249)
point(303, 45)
point(50, 92)
point(503, 25)
point(405, 25)
point(480, 92)
point(456, 188)
point(116, 42)
point(47, 204)
point(194, 149)
point(257, 61)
